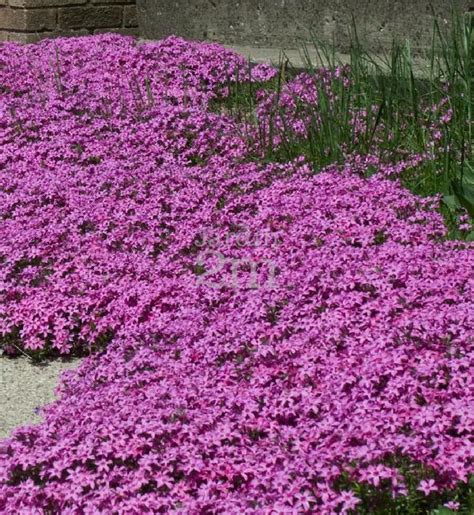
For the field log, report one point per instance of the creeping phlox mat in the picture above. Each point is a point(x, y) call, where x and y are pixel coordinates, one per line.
point(263, 338)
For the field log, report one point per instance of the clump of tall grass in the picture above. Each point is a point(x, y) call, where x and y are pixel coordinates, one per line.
point(390, 107)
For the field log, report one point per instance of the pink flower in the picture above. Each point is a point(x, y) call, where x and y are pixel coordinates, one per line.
point(427, 486)
point(452, 505)
point(349, 501)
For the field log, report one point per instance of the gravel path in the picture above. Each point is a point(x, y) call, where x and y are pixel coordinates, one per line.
point(24, 387)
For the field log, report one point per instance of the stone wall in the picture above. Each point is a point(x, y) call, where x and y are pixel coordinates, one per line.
point(30, 20)
point(287, 23)
point(259, 23)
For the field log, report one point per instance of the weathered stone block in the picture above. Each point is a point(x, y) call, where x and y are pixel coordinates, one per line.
point(69, 33)
point(90, 17)
point(27, 20)
point(22, 37)
point(36, 4)
point(116, 2)
point(132, 31)
point(130, 16)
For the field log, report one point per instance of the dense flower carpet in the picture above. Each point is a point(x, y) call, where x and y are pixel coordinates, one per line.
point(264, 338)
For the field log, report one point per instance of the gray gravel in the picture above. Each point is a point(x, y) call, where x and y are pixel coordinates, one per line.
point(25, 387)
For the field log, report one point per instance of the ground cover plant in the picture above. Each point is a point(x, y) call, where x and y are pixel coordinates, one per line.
point(274, 323)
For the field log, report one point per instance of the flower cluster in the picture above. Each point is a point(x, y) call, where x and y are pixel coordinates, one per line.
point(343, 358)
